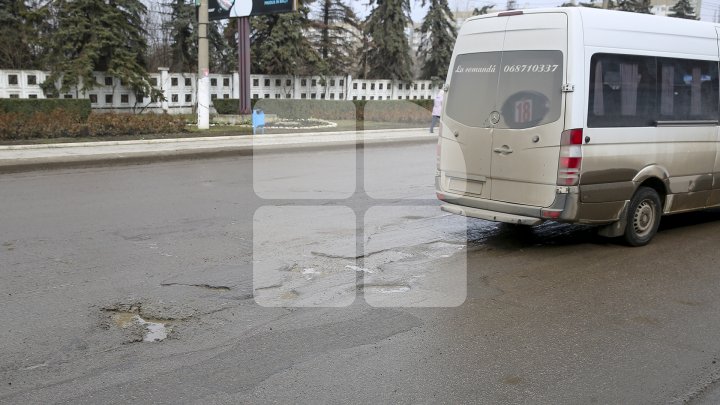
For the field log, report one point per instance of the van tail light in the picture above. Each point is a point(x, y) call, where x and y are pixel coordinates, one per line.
point(570, 157)
point(550, 214)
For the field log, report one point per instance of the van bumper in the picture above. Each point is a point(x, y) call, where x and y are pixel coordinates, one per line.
point(500, 211)
point(490, 215)
point(566, 207)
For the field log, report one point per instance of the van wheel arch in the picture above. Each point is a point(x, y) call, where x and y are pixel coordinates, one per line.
point(660, 188)
point(619, 227)
point(655, 177)
point(642, 218)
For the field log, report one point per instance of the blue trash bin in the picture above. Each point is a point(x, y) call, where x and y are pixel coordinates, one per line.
point(258, 120)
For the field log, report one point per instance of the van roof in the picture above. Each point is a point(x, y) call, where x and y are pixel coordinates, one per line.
point(591, 13)
point(619, 30)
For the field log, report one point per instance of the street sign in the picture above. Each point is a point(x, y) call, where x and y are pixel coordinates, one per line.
point(224, 9)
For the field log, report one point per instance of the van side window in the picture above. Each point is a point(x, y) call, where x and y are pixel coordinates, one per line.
point(637, 91)
point(688, 89)
point(622, 91)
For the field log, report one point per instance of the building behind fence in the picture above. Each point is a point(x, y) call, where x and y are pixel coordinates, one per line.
point(180, 89)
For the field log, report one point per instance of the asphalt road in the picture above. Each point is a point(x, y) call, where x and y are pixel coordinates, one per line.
point(332, 276)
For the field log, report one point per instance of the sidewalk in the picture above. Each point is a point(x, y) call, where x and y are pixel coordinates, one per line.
point(16, 158)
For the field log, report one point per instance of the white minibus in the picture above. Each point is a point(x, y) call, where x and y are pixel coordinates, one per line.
point(581, 115)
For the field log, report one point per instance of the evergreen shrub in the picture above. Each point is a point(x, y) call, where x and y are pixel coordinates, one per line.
point(373, 110)
point(229, 106)
point(115, 124)
point(60, 123)
point(79, 108)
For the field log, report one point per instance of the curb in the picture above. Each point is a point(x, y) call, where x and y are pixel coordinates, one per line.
point(187, 151)
point(201, 139)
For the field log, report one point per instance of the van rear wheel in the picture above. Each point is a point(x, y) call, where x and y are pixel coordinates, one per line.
point(643, 217)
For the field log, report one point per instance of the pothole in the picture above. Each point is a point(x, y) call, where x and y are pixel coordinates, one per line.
point(154, 331)
point(141, 329)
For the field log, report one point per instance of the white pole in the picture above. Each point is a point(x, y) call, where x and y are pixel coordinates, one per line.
point(203, 98)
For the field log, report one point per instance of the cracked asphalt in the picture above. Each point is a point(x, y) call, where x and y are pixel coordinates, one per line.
point(332, 276)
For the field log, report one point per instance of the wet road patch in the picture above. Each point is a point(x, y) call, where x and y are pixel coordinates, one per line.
point(136, 325)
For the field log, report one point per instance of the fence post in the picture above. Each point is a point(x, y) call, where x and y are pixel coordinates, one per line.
point(165, 87)
point(236, 85)
point(348, 84)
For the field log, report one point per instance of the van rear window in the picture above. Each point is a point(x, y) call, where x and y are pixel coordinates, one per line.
point(523, 86)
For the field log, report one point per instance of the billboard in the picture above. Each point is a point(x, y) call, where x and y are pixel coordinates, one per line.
point(224, 9)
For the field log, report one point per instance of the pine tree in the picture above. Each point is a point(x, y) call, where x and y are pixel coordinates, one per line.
point(98, 35)
point(158, 39)
point(483, 10)
point(279, 44)
point(683, 9)
point(635, 6)
point(182, 29)
point(20, 27)
point(336, 27)
point(388, 56)
point(223, 50)
point(363, 67)
point(230, 33)
point(438, 37)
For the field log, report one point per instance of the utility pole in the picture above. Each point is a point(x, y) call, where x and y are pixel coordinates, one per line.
point(203, 83)
point(243, 28)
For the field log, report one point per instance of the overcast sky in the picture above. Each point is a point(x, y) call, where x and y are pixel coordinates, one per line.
point(710, 9)
point(418, 13)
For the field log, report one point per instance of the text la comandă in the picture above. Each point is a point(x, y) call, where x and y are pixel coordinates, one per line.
point(484, 69)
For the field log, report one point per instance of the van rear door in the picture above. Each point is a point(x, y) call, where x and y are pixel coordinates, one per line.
point(526, 140)
point(466, 153)
point(508, 136)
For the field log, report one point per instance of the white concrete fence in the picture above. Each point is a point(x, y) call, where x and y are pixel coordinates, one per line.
point(181, 93)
